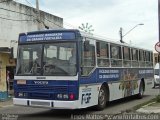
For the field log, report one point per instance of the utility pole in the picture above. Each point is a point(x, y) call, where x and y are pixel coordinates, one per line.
point(38, 15)
point(159, 37)
point(121, 34)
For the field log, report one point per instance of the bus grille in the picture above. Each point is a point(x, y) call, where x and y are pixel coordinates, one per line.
point(41, 88)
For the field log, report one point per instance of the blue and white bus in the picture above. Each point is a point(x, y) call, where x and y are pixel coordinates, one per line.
point(100, 71)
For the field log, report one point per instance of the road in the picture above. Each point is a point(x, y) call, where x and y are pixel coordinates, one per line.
point(114, 107)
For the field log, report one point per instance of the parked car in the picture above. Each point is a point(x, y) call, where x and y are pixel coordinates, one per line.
point(156, 75)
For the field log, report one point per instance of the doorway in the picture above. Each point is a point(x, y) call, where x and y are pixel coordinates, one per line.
point(10, 70)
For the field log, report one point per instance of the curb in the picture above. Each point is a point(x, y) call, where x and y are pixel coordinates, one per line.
point(139, 106)
point(6, 103)
point(149, 109)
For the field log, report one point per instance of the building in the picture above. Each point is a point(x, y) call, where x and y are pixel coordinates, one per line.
point(155, 58)
point(7, 67)
point(17, 18)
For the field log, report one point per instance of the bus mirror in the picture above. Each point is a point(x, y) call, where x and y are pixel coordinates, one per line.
point(86, 45)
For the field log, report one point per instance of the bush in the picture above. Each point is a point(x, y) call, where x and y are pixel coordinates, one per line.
point(158, 98)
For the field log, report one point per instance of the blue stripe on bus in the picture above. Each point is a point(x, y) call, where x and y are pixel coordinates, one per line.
point(115, 74)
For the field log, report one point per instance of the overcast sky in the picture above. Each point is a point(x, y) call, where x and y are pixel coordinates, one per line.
point(107, 16)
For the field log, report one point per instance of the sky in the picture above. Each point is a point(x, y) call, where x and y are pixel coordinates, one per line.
point(107, 17)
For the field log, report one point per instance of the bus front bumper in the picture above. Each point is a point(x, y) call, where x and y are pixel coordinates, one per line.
point(53, 104)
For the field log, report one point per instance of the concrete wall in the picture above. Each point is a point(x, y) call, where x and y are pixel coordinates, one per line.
point(17, 18)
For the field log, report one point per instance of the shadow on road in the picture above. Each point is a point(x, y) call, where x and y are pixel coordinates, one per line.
point(67, 114)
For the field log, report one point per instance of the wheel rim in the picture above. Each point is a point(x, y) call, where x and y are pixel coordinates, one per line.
point(101, 97)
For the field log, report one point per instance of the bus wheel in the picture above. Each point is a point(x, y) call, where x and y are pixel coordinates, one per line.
point(102, 98)
point(141, 90)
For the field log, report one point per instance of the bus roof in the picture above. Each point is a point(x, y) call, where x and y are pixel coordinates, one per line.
point(69, 34)
point(111, 41)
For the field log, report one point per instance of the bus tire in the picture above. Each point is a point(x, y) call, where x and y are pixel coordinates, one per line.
point(141, 90)
point(102, 98)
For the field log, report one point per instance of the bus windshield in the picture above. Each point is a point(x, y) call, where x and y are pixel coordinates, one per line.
point(54, 59)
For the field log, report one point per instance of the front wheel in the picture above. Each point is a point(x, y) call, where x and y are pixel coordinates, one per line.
point(102, 98)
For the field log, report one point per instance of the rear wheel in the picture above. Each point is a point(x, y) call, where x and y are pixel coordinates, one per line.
point(141, 90)
point(102, 98)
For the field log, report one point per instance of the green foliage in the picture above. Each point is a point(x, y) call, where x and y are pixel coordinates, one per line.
point(158, 98)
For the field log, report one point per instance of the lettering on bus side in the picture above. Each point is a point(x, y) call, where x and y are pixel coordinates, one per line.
point(113, 73)
point(86, 97)
point(145, 71)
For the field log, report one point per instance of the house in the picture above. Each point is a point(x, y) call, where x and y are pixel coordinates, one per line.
point(17, 18)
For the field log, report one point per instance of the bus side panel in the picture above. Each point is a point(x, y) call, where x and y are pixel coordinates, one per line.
point(122, 82)
point(117, 90)
point(88, 95)
point(114, 91)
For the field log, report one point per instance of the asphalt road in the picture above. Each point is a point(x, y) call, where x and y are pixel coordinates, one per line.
point(114, 107)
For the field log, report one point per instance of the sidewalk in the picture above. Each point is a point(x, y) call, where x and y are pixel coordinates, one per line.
point(152, 107)
point(6, 103)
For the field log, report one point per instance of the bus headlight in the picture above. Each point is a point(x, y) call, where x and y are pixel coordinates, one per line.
point(65, 96)
point(62, 96)
point(59, 96)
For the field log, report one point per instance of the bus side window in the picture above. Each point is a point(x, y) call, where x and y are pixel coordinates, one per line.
point(102, 54)
point(135, 62)
point(126, 57)
point(88, 59)
point(149, 62)
point(116, 55)
point(141, 58)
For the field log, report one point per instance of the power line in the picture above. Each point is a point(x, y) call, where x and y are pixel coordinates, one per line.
point(53, 22)
point(36, 19)
point(44, 18)
point(6, 40)
point(67, 24)
point(30, 16)
point(35, 16)
point(29, 3)
point(17, 12)
point(5, 1)
point(14, 19)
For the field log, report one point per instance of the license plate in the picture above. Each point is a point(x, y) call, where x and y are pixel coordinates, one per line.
point(21, 82)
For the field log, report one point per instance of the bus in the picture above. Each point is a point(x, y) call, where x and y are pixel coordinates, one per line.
point(101, 70)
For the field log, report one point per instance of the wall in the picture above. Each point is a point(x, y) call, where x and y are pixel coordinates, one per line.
point(17, 18)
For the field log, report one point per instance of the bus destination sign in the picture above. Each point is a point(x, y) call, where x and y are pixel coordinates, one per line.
point(41, 37)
